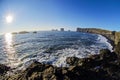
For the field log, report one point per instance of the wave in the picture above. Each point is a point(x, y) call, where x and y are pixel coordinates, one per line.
point(55, 50)
point(102, 39)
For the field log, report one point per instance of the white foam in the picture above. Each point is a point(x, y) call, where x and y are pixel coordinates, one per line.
point(102, 39)
point(58, 58)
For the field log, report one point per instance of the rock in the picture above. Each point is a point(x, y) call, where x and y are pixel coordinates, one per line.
point(106, 33)
point(80, 73)
point(106, 55)
point(34, 31)
point(49, 69)
point(117, 37)
point(83, 62)
point(103, 66)
point(23, 32)
point(58, 73)
point(48, 73)
point(3, 69)
point(117, 49)
point(72, 60)
point(34, 67)
point(36, 76)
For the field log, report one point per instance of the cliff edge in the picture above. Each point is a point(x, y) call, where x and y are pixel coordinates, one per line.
point(113, 36)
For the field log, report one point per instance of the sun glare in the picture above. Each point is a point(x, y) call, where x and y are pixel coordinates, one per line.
point(11, 52)
point(8, 38)
point(9, 19)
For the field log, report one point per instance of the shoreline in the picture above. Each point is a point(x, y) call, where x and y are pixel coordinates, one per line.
point(100, 66)
point(111, 47)
point(109, 41)
point(110, 35)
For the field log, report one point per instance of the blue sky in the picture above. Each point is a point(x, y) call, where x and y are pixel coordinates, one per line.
point(70, 14)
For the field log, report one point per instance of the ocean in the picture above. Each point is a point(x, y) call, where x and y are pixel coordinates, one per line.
point(51, 47)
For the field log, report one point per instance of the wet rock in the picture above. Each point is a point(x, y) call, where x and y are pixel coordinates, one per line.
point(58, 73)
point(72, 60)
point(3, 69)
point(104, 66)
point(48, 73)
point(34, 67)
point(83, 62)
point(106, 55)
point(36, 76)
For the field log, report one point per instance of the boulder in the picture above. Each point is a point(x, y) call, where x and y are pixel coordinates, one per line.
point(103, 66)
point(107, 55)
point(83, 62)
point(3, 69)
point(72, 60)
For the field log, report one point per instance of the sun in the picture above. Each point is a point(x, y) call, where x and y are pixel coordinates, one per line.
point(9, 18)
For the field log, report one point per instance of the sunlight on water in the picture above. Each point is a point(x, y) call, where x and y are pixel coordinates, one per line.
point(11, 53)
point(20, 50)
point(8, 39)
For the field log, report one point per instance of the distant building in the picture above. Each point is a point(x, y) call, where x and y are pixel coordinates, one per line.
point(78, 29)
point(54, 29)
point(61, 29)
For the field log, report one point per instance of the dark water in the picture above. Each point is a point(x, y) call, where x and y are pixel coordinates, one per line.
point(52, 47)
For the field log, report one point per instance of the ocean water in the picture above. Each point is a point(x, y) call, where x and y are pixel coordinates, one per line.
point(51, 47)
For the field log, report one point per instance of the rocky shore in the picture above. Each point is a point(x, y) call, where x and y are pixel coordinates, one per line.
point(112, 36)
point(102, 66)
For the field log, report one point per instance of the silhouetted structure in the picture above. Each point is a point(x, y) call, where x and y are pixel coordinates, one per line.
point(61, 29)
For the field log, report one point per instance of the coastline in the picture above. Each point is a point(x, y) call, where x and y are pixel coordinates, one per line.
point(107, 41)
point(110, 35)
point(100, 66)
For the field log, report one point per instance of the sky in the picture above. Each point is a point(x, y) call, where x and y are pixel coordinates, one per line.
point(33, 15)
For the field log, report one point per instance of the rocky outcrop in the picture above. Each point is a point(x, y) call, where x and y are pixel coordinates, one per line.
point(23, 32)
point(104, 66)
point(113, 36)
point(117, 37)
point(3, 69)
point(117, 49)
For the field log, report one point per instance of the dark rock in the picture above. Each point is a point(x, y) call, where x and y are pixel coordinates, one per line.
point(117, 49)
point(3, 69)
point(48, 73)
point(72, 60)
point(35, 32)
point(106, 55)
point(36, 71)
point(83, 62)
point(36, 76)
point(106, 33)
point(103, 66)
point(23, 32)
